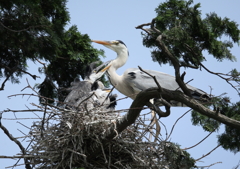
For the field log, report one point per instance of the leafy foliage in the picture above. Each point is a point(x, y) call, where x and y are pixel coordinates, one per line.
point(230, 138)
point(207, 123)
point(29, 30)
point(177, 157)
point(71, 61)
point(187, 35)
point(34, 30)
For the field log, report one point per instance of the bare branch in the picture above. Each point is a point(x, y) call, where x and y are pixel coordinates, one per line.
point(209, 165)
point(3, 83)
point(176, 123)
point(220, 75)
point(175, 63)
point(142, 25)
point(26, 160)
point(199, 141)
point(207, 153)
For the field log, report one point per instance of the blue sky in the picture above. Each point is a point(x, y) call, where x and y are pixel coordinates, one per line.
point(113, 20)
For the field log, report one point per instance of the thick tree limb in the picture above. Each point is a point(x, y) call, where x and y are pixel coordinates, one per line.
point(141, 100)
point(144, 96)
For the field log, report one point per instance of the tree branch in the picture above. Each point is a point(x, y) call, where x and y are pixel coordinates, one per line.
point(219, 75)
point(164, 48)
point(208, 153)
point(30, 27)
point(27, 165)
point(175, 63)
point(143, 98)
point(11, 71)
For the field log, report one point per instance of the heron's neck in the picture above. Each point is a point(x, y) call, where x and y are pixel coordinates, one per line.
point(121, 59)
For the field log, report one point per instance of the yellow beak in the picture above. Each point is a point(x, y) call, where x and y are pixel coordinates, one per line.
point(107, 90)
point(106, 68)
point(101, 42)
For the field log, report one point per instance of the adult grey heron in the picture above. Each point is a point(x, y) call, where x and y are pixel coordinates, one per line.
point(134, 80)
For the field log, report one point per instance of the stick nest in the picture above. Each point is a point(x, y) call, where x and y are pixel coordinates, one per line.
point(74, 139)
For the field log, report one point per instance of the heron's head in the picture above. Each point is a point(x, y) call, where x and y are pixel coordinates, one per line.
point(116, 45)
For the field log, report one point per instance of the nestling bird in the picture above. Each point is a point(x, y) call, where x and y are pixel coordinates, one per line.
point(134, 80)
point(81, 90)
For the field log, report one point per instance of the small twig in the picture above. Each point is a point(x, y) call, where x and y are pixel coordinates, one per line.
point(209, 165)
point(200, 141)
point(44, 114)
point(154, 78)
point(176, 123)
point(29, 86)
point(23, 125)
point(108, 96)
point(104, 155)
point(5, 130)
point(142, 25)
point(77, 153)
point(3, 83)
point(115, 127)
point(219, 75)
point(208, 153)
point(85, 99)
point(44, 64)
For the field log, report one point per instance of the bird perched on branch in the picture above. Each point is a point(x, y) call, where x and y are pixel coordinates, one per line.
point(90, 91)
point(134, 80)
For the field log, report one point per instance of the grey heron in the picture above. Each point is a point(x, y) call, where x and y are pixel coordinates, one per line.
point(134, 80)
point(90, 86)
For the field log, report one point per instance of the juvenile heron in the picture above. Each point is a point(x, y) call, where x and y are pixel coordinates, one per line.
point(134, 80)
point(81, 90)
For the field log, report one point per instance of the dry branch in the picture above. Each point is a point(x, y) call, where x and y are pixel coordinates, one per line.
point(26, 160)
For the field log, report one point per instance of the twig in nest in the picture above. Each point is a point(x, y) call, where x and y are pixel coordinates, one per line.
point(108, 96)
point(115, 127)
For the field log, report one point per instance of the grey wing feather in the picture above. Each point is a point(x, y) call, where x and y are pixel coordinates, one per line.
point(143, 81)
point(78, 93)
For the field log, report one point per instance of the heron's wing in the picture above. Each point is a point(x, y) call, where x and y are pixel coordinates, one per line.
point(80, 92)
point(141, 81)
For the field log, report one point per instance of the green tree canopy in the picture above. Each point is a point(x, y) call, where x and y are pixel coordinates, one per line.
point(35, 30)
point(179, 36)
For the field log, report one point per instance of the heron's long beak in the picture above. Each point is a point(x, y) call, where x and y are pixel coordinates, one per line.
point(107, 90)
point(102, 42)
point(106, 68)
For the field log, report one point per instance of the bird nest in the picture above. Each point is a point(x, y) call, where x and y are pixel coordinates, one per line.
point(65, 138)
